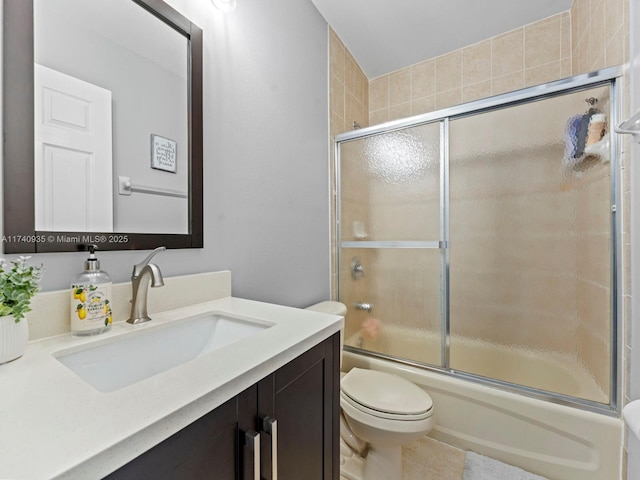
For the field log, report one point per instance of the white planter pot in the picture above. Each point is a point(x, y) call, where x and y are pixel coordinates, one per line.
point(13, 338)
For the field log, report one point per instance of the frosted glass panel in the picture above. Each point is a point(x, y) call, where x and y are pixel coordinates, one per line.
point(402, 286)
point(390, 185)
point(530, 257)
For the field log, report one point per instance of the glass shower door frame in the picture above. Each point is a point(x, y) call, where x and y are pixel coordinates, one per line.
point(603, 77)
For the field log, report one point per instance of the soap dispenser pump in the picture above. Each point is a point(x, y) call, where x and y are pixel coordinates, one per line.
point(90, 298)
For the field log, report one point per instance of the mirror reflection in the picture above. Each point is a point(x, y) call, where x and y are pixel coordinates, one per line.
point(111, 119)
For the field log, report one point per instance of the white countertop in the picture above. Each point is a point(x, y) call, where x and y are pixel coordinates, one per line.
point(54, 425)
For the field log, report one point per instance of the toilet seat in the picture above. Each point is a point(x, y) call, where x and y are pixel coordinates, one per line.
point(385, 395)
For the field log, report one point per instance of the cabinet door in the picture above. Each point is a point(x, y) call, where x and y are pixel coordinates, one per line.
point(303, 398)
point(210, 448)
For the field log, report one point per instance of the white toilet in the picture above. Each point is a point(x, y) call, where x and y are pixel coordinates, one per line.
point(381, 409)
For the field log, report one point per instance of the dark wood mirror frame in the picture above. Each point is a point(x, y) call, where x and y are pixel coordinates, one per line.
point(19, 235)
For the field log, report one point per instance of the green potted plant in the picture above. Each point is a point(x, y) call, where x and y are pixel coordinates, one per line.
point(18, 285)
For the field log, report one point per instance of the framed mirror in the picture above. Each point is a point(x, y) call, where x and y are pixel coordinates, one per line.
point(102, 120)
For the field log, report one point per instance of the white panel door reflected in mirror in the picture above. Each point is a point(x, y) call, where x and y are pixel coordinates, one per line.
point(117, 46)
point(73, 158)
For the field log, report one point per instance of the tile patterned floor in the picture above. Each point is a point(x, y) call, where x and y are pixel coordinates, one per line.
point(428, 459)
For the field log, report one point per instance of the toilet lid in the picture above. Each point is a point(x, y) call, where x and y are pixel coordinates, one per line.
point(384, 392)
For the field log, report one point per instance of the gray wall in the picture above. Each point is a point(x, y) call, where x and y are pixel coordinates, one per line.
point(266, 199)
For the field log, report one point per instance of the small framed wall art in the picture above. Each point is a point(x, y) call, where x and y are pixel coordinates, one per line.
point(163, 154)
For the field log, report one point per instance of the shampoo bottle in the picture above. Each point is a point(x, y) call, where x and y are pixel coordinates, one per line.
point(90, 298)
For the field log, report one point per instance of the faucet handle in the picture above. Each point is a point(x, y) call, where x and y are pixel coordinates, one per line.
point(137, 268)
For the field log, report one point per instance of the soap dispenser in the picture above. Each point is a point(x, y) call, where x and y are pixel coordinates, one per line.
point(90, 298)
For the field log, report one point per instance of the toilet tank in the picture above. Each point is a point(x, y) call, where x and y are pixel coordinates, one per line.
point(333, 308)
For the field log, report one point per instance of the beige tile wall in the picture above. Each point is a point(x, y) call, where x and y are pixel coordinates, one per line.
point(599, 34)
point(349, 88)
point(526, 56)
point(349, 103)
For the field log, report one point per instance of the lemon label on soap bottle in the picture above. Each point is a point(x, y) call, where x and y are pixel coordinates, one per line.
point(90, 307)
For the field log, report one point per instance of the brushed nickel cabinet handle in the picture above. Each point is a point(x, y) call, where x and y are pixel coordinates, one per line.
point(270, 426)
point(252, 441)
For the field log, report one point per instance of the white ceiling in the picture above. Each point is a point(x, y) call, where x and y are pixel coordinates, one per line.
point(385, 35)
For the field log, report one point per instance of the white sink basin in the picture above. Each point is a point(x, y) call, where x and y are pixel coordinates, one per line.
point(130, 358)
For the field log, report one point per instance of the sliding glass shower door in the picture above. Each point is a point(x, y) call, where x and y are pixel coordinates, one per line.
point(390, 229)
point(481, 241)
point(530, 259)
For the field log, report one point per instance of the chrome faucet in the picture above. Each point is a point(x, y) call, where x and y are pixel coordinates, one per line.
point(143, 273)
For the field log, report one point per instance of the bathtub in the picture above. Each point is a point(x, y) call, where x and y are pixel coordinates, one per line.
point(556, 441)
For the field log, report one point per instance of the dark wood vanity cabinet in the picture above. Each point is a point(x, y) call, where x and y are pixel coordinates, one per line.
point(293, 414)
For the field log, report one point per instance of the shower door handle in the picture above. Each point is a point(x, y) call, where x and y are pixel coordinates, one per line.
point(270, 426)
